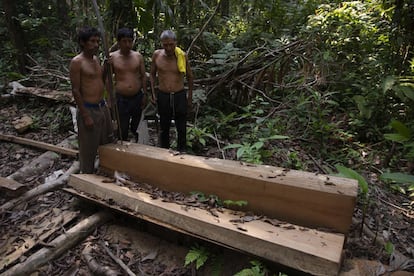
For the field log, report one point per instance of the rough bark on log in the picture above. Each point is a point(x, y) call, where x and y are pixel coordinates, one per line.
point(59, 245)
point(46, 187)
point(39, 164)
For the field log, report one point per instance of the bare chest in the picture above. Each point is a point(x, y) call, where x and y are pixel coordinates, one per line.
point(91, 70)
point(125, 65)
point(167, 65)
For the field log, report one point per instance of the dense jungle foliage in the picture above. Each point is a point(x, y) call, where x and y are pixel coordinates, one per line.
point(299, 84)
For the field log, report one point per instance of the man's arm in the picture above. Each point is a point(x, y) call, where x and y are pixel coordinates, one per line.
point(143, 76)
point(74, 74)
point(108, 68)
point(142, 73)
point(153, 75)
point(190, 82)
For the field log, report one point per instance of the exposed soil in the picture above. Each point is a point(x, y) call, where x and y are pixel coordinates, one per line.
point(148, 249)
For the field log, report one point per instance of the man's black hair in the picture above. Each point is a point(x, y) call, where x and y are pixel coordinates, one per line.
point(86, 33)
point(124, 32)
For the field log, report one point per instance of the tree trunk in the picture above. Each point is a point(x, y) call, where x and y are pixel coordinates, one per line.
point(225, 8)
point(183, 12)
point(62, 9)
point(16, 34)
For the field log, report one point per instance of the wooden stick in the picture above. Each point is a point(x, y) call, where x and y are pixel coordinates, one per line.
point(38, 144)
point(46, 187)
point(60, 245)
point(94, 266)
point(203, 28)
point(118, 260)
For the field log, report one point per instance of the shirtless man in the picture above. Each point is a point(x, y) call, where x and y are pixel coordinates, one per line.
point(93, 115)
point(171, 97)
point(130, 79)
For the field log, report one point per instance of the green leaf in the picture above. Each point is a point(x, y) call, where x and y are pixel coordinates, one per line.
point(350, 173)
point(398, 177)
point(401, 129)
point(197, 254)
point(389, 248)
point(190, 257)
point(240, 152)
point(232, 146)
point(258, 145)
point(395, 137)
point(201, 260)
point(408, 90)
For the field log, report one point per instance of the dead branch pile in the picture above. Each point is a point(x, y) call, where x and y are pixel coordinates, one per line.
point(263, 70)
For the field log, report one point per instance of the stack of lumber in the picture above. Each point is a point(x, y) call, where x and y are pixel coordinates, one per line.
point(301, 205)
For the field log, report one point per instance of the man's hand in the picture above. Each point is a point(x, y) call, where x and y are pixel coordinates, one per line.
point(111, 60)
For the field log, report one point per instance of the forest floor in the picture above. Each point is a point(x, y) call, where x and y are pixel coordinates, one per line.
point(148, 249)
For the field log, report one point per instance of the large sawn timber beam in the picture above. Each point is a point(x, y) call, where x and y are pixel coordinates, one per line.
point(303, 198)
point(308, 250)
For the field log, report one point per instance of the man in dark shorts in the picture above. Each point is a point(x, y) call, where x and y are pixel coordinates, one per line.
point(130, 80)
point(93, 115)
point(170, 65)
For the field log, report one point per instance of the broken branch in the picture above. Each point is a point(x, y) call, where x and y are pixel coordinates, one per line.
point(118, 260)
point(42, 145)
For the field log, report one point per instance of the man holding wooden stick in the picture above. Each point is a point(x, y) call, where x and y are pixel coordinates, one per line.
point(130, 83)
point(93, 116)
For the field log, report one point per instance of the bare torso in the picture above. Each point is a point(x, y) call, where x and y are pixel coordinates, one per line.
point(91, 85)
point(128, 75)
point(170, 80)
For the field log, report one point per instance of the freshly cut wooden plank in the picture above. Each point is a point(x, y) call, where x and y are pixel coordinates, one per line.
point(305, 249)
point(303, 198)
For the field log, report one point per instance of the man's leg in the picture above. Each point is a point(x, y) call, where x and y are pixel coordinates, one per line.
point(88, 144)
point(136, 111)
point(180, 118)
point(124, 117)
point(164, 109)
